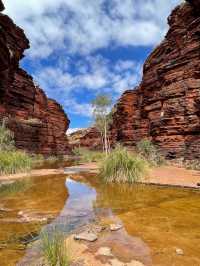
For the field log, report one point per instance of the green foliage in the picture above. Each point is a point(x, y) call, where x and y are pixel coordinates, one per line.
point(102, 117)
point(193, 165)
point(12, 162)
point(77, 151)
point(121, 167)
point(37, 157)
point(52, 158)
point(54, 248)
point(6, 138)
point(15, 187)
point(88, 155)
point(149, 152)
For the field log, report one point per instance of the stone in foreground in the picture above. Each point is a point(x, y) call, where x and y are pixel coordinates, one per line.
point(90, 237)
point(116, 227)
point(179, 251)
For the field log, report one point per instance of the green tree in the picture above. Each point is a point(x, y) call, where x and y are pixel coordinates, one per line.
point(102, 117)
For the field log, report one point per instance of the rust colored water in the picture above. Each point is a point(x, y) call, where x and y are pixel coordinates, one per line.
point(165, 219)
point(45, 197)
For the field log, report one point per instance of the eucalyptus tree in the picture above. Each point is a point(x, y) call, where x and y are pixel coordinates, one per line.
point(102, 117)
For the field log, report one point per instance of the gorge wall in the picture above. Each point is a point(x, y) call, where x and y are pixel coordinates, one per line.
point(39, 124)
point(89, 138)
point(165, 107)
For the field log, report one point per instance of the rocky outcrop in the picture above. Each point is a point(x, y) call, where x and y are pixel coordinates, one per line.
point(166, 105)
point(39, 123)
point(89, 138)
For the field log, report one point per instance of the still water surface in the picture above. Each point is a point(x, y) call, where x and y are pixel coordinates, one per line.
point(163, 218)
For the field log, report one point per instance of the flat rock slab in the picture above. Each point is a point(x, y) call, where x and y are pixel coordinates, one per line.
point(104, 251)
point(90, 237)
point(115, 227)
point(116, 262)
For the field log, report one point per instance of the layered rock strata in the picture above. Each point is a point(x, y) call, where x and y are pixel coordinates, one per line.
point(166, 106)
point(89, 138)
point(39, 124)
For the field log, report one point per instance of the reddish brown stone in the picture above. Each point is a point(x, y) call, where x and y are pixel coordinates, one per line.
point(166, 105)
point(88, 138)
point(39, 123)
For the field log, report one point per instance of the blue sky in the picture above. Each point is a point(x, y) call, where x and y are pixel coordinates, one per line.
point(82, 48)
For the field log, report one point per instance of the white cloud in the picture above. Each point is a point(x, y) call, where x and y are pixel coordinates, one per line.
point(82, 27)
point(97, 75)
point(64, 29)
point(81, 109)
point(72, 130)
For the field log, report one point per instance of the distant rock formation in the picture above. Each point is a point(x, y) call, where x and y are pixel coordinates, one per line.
point(166, 106)
point(39, 123)
point(89, 138)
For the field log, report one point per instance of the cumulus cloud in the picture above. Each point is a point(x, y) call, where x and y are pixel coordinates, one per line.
point(72, 130)
point(69, 36)
point(83, 27)
point(96, 75)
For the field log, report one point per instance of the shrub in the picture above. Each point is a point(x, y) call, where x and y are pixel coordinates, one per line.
point(6, 138)
point(88, 155)
point(54, 248)
point(149, 152)
point(12, 162)
point(120, 167)
point(193, 165)
point(52, 158)
point(77, 151)
point(38, 157)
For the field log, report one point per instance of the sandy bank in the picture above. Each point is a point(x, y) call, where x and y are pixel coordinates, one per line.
point(38, 172)
point(175, 176)
point(164, 175)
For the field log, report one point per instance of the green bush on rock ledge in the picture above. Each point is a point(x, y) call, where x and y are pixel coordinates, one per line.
point(121, 167)
point(150, 152)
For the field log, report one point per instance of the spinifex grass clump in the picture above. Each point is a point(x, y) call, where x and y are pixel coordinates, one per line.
point(12, 162)
point(54, 248)
point(15, 187)
point(150, 152)
point(121, 167)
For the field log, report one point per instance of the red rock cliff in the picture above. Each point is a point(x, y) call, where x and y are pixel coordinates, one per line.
point(166, 105)
point(39, 123)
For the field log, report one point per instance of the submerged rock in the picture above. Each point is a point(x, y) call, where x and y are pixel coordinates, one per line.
point(87, 236)
point(179, 251)
point(116, 227)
